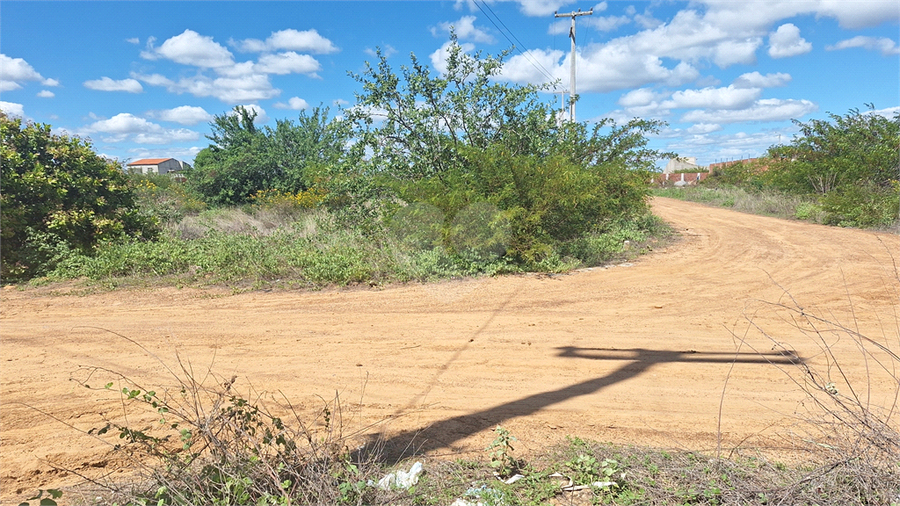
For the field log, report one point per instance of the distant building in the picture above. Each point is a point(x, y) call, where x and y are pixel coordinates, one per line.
point(157, 166)
point(686, 163)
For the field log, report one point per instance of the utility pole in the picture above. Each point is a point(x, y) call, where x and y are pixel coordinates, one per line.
point(573, 15)
point(562, 108)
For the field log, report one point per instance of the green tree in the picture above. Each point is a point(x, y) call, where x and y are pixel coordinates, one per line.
point(415, 124)
point(463, 137)
point(58, 195)
point(234, 166)
point(244, 159)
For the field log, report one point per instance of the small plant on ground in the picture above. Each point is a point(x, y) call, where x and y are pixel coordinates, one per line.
point(501, 453)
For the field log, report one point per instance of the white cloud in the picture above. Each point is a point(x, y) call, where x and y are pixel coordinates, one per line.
point(127, 127)
point(729, 98)
point(856, 15)
point(600, 23)
point(8, 85)
point(719, 147)
point(190, 48)
point(538, 8)
point(16, 71)
point(287, 63)
point(704, 128)
point(889, 113)
point(295, 103)
point(288, 40)
point(231, 90)
point(640, 97)
point(853, 15)
point(107, 84)
point(340, 102)
point(133, 40)
point(772, 109)
point(606, 23)
point(465, 29)
point(46, 94)
point(786, 41)
point(602, 67)
point(184, 115)
point(756, 80)
point(12, 109)
point(884, 45)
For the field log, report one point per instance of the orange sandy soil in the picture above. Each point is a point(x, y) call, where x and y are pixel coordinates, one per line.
point(634, 353)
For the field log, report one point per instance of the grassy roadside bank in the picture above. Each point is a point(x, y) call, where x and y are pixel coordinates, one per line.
point(254, 248)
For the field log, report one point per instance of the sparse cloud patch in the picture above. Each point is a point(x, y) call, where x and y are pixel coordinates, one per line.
point(883, 45)
point(287, 63)
point(763, 110)
point(307, 41)
point(184, 115)
point(465, 29)
point(128, 127)
point(757, 80)
point(294, 104)
point(107, 84)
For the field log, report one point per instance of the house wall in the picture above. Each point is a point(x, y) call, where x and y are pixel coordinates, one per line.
point(680, 179)
point(163, 167)
point(142, 169)
point(169, 165)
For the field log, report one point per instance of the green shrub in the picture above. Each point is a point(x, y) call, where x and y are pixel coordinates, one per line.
point(863, 205)
point(164, 198)
point(59, 196)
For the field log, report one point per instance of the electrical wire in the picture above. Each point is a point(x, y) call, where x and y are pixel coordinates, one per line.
point(526, 54)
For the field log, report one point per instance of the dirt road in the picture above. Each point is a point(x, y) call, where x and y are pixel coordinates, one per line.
point(636, 353)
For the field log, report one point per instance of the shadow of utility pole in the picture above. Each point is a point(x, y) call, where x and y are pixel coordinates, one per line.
point(444, 433)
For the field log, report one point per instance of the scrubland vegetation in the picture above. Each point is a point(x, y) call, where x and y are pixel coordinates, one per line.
point(426, 177)
point(843, 171)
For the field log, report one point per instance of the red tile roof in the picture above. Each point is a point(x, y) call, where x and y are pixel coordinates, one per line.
point(149, 161)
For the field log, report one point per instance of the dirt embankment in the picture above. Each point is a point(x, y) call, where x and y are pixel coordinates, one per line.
point(633, 353)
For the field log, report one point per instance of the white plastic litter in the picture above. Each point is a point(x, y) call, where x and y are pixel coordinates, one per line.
point(598, 484)
point(514, 478)
point(463, 502)
point(401, 479)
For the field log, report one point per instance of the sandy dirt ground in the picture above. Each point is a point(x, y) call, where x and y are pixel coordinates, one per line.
point(664, 351)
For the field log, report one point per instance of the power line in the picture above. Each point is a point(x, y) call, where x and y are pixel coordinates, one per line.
point(534, 63)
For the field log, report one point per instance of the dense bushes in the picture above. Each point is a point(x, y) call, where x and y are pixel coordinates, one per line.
point(244, 160)
point(849, 163)
point(462, 138)
point(58, 196)
point(429, 175)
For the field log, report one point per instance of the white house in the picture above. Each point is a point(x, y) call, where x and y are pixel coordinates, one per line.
point(157, 166)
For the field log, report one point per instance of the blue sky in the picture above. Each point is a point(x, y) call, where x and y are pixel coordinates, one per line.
point(143, 79)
